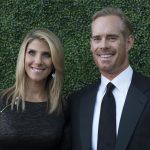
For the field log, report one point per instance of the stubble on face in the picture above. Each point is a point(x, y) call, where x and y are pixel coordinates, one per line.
point(108, 46)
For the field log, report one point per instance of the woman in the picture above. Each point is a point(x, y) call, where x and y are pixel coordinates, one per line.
point(31, 112)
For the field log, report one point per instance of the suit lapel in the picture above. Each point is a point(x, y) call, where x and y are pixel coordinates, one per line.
point(86, 116)
point(134, 105)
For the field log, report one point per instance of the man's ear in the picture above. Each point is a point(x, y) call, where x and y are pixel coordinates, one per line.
point(91, 44)
point(129, 42)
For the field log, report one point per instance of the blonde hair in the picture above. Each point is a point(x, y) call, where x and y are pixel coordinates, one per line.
point(54, 84)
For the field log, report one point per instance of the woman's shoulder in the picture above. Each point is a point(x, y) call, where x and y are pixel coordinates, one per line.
point(3, 101)
point(5, 96)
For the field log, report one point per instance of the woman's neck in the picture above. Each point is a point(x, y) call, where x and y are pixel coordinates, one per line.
point(36, 92)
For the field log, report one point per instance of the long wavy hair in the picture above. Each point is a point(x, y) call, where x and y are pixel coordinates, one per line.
point(53, 84)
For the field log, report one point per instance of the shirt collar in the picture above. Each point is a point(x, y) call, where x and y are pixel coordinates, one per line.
point(121, 82)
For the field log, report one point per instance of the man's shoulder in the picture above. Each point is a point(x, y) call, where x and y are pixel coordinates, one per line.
point(139, 76)
point(86, 89)
point(141, 81)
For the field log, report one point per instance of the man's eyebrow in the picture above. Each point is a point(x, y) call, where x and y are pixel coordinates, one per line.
point(113, 35)
point(95, 36)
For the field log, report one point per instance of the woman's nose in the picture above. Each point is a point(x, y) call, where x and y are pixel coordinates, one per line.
point(38, 59)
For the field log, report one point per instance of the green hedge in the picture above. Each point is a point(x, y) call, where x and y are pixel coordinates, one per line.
point(70, 20)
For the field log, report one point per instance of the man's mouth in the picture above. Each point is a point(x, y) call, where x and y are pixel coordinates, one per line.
point(105, 55)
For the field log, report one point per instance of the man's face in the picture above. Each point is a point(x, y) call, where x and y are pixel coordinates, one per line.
point(109, 46)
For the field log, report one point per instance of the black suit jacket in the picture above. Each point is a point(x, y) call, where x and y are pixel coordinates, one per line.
point(134, 127)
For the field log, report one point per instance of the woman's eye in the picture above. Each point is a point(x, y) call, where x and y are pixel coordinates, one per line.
point(47, 55)
point(31, 52)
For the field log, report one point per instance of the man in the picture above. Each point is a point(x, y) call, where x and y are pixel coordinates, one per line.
point(111, 42)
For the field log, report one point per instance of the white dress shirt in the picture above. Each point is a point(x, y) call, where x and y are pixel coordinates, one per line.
point(122, 83)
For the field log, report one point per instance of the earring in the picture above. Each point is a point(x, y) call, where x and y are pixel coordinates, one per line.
point(53, 75)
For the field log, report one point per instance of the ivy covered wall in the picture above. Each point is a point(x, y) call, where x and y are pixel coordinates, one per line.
point(70, 20)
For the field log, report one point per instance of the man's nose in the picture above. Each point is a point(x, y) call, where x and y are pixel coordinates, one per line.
point(103, 44)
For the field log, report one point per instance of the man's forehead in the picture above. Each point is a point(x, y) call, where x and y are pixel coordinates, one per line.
point(106, 20)
point(107, 24)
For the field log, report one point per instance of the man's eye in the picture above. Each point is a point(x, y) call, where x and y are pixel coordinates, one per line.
point(96, 39)
point(112, 38)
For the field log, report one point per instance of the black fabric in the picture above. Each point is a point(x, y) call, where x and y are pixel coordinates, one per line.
point(31, 129)
point(134, 126)
point(107, 123)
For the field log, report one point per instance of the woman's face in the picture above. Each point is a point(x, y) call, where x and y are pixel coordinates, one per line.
point(38, 62)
